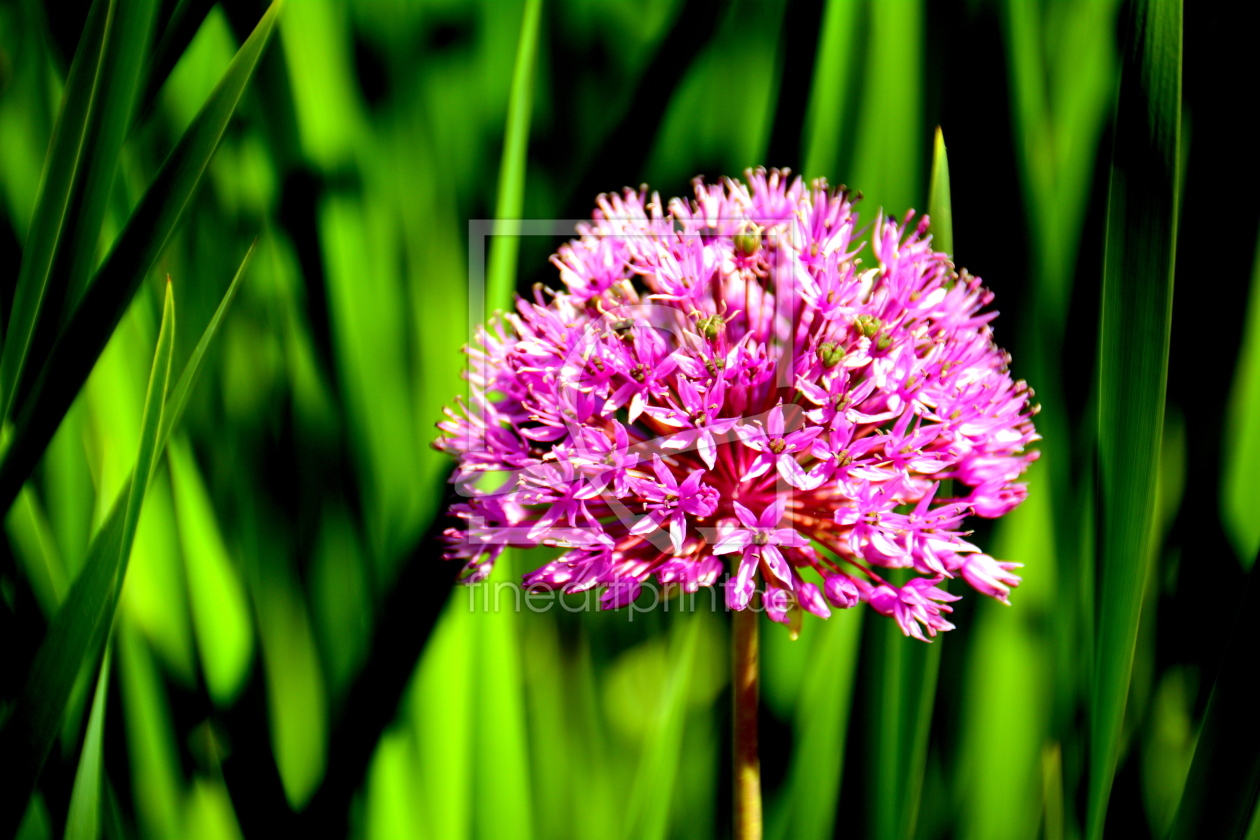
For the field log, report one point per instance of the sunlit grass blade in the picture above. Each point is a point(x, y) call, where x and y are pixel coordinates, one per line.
point(887, 164)
point(1134, 332)
point(33, 542)
point(79, 630)
point(940, 208)
point(152, 746)
point(142, 240)
point(906, 697)
point(501, 271)
point(648, 807)
point(1224, 783)
point(178, 399)
point(220, 611)
point(821, 729)
point(210, 813)
point(60, 168)
point(924, 664)
point(502, 743)
point(1240, 480)
point(178, 33)
point(297, 704)
point(83, 821)
point(825, 117)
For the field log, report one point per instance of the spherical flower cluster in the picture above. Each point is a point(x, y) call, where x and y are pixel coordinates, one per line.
point(729, 378)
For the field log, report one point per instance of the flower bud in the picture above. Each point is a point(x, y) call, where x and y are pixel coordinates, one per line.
point(868, 325)
point(748, 240)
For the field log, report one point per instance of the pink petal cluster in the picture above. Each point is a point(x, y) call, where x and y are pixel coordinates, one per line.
point(728, 377)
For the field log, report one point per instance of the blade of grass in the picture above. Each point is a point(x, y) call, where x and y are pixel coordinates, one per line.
point(79, 630)
point(57, 184)
point(887, 164)
point(1240, 480)
point(501, 273)
point(825, 121)
point(924, 665)
point(220, 610)
point(125, 45)
point(940, 208)
point(33, 542)
point(501, 746)
point(178, 399)
point(142, 240)
point(1134, 332)
point(1223, 787)
point(83, 820)
point(821, 729)
point(648, 805)
point(152, 745)
point(112, 111)
point(178, 33)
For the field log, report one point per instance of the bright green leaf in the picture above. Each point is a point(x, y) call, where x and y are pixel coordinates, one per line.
point(83, 821)
point(225, 637)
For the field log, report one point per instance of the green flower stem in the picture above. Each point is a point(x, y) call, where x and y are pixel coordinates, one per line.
point(747, 765)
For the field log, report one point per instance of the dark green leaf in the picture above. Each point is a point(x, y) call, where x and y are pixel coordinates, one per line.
point(60, 170)
point(1224, 783)
point(176, 35)
point(178, 399)
point(112, 109)
point(1133, 345)
point(80, 628)
point(142, 240)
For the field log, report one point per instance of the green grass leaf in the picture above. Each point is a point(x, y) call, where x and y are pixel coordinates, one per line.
point(142, 240)
point(126, 49)
point(939, 207)
point(1133, 363)
point(35, 546)
point(825, 116)
point(178, 399)
point(56, 186)
point(821, 729)
point(220, 610)
point(180, 29)
point(887, 163)
point(648, 804)
point(65, 254)
point(79, 630)
point(152, 745)
point(1221, 791)
point(1240, 479)
point(501, 271)
point(83, 820)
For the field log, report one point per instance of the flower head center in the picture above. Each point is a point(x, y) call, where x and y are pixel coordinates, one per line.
point(777, 445)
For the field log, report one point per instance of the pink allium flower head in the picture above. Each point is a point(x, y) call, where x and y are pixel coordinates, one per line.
point(735, 377)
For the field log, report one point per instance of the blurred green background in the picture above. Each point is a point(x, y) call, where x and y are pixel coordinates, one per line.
point(288, 654)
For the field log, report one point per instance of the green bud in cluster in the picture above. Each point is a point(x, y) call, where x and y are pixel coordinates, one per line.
point(883, 342)
point(748, 240)
point(711, 327)
point(830, 355)
point(868, 325)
